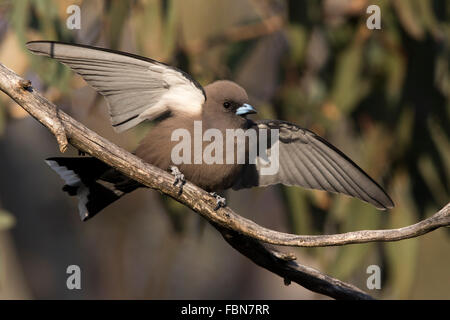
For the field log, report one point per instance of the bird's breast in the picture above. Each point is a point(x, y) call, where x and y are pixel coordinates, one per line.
point(204, 156)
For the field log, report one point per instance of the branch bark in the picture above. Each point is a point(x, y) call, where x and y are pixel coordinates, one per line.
point(243, 234)
point(286, 267)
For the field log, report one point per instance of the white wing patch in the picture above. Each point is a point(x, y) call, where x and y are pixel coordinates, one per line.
point(181, 97)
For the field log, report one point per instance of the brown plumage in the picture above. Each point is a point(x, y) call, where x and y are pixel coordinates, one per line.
point(138, 89)
point(156, 147)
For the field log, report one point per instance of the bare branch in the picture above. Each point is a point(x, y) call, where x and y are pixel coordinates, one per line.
point(244, 233)
point(197, 199)
point(285, 266)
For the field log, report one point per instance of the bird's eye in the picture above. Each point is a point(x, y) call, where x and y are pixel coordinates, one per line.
point(227, 104)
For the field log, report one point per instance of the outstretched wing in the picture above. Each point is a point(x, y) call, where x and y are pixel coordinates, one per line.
point(135, 88)
point(307, 160)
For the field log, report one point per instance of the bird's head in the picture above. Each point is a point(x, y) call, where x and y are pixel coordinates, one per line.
point(226, 98)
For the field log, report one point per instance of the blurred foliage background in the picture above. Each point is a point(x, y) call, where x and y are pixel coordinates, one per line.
point(381, 96)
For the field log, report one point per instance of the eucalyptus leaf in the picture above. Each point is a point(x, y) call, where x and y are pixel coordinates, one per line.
point(7, 220)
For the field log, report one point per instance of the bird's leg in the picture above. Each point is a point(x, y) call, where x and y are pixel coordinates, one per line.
point(179, 178)
point(220, 201)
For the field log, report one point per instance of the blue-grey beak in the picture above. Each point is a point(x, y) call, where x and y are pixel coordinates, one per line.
point(245, 109)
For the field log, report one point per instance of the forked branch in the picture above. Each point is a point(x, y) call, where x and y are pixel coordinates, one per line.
point(243, 234)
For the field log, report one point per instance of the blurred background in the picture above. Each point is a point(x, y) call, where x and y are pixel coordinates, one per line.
point(381, 96)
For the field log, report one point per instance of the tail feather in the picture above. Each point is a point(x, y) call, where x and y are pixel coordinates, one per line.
point(96, 184)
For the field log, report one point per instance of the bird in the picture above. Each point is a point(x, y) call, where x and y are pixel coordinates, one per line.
point(140, 89)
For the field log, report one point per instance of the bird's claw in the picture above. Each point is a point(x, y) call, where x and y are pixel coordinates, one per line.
point(179, 178)
point(220, 201)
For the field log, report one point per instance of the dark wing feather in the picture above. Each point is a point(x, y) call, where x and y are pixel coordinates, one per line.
point(307, 160)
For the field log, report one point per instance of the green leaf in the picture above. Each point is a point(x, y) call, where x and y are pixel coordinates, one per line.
point(348, 86)
point(410, 17)
point(432, 179)
point(297, 36)
point(7, 220)
point(443, 145)
point(355, 215)
point(19, 16)
point(401, 255)
point(298, 213)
